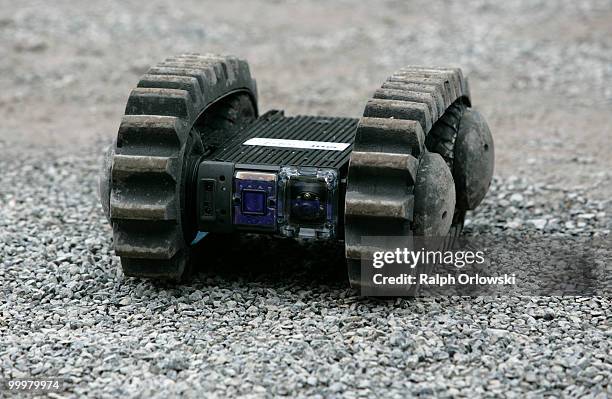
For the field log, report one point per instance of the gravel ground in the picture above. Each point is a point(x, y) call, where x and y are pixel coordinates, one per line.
point(288, 325)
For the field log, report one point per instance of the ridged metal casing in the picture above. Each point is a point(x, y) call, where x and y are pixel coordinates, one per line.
point(277, 126)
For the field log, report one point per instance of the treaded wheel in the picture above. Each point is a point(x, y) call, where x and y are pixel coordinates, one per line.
point(463, 139)
point(180, 108)
point(387, 173)
point(441, 140)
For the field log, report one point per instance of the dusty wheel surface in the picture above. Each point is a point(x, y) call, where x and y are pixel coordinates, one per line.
point(395, 186)
point(180, 109)
point(474, 160)
point(462, 137)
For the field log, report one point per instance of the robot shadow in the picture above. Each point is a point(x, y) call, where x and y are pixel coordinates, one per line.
point(270, 261)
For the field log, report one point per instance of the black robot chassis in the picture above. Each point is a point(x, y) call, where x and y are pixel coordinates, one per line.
point(192, 155)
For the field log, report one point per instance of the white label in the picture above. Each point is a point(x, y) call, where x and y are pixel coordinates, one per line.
point(305, 144)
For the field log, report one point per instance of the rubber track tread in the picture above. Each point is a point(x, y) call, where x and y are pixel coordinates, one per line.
point(155, 139)
point(389, 143)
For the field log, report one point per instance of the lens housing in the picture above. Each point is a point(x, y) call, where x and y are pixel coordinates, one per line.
point(254, 200)
point(308, 202)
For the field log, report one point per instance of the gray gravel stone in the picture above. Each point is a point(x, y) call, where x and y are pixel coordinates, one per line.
point(287, 325)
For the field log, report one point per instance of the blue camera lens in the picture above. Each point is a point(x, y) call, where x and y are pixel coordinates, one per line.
point(254, 202)
point(307, 211)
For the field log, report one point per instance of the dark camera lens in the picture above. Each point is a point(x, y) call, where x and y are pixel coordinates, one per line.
point(307, 210)
point(253, 202)
point(307, 202)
